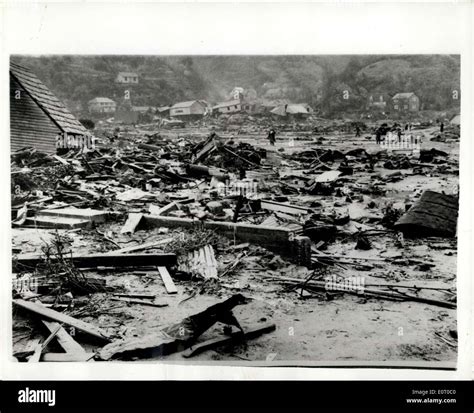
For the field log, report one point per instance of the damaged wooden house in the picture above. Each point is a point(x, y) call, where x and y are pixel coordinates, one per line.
point(38, 119)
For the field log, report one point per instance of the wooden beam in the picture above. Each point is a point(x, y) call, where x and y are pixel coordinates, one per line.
point(235, 336)
point(67, 357)
point(103, 260)
point(260, 234)
point(138, 301)
point(141, 247)
point(132, 223)
point(50, 314)
point(172, 206)
point(148, 296)
point(68, 344)
point(167, 280)
point(285, 208)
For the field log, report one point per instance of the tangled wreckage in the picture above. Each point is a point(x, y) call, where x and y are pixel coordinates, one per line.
point(128, 251)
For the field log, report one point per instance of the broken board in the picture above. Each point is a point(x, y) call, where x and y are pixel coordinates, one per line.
point(87, 214)
point(167, 280)
point(50, 314)
point(132, 223)
point(67, 357)
point(43, 221)
point(235, 336)
point(102, 260)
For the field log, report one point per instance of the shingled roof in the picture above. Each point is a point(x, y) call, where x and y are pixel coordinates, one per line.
point(45, 99)
point(404, 95)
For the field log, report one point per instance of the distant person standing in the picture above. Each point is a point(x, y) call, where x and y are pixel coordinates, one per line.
point(357, 131)
point(399, 134)
point(272, 136)
point(441, 127)
point(378, 134)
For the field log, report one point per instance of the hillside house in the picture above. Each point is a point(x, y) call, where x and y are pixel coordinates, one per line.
point(101, 105)
point(38, 119)
point(268, 105)
point(192, 108)
point(231, 106)
point(406, 102)
point(378, 101)
point(127, 78)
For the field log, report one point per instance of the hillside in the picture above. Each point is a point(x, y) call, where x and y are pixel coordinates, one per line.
point(318, 80)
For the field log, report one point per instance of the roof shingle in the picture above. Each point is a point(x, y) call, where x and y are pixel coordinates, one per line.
point(47, 101)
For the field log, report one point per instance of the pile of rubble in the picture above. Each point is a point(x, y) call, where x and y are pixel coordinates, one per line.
point(145, 219)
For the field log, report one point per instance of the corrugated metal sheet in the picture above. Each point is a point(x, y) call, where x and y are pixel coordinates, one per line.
point(47, 101)
point(30, 126)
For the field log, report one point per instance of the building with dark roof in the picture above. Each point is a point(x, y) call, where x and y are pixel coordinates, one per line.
point(230, 106)
point(37, 118)
point(406, 102)
point(127, 78)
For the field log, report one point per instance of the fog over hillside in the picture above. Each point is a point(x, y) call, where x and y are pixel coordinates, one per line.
point(317, 80)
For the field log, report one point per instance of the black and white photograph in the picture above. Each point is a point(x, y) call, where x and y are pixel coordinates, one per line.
point(249, 209)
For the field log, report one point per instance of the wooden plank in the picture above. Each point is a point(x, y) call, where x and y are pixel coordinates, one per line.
point(167, 280)
point(46, 221)
point(51, 336)
point(141, 247)
point(87, 214)
point(137, 301)
point(235, 336)
point(132, 223)
point(62, 318)
point(67, 357)
point(68, 344)
point(102, 260)
point(149, 296)
point(247, 232)
point(154, 210)
point(285, 208)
